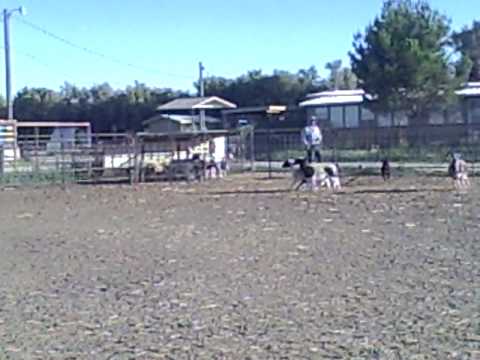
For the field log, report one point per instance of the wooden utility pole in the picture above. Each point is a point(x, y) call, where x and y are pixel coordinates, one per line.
point(6, 38)
point(201, 94)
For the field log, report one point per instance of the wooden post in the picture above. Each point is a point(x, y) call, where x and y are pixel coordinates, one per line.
point(134, 169)
point(252, 149)
point(141, 172)
point(269, 145)
point(2, 162)
point(63, 164)
point(37, 164)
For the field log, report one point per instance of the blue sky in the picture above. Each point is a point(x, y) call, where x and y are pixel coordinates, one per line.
point(165, 39)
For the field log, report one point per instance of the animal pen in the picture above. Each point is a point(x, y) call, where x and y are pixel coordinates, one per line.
point(32, 153)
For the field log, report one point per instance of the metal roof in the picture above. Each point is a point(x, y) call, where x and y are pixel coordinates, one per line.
point(255, 109)
point(336, 93)
point(181, 119)
point(336, 97)
point(197, 103)
point(341, 97)
point(146, 136)
point(470, 89)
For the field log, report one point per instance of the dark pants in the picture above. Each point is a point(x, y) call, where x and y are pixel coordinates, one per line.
point(314, 149)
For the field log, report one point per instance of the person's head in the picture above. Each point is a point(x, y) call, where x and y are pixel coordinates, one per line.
point(313, 121)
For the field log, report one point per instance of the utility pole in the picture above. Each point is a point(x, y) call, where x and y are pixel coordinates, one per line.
point(8, 81)
point(8, 78)
point(201, 68)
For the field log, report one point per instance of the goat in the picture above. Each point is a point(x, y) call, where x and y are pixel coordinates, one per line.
point(458, 171)
point(189, 169)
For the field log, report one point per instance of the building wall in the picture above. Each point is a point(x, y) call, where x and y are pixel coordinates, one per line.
point(293, 118)
point(359, 116)
point(163, 126)
point(473, 110)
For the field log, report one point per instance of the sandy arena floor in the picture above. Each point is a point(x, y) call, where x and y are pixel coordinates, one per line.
point(241, 269)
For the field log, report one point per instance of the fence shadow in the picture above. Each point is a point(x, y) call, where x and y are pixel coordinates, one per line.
point(342, 193)
point(396, 191)
point(250, 192)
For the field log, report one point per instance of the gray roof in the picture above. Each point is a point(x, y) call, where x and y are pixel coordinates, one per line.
point(197, 103)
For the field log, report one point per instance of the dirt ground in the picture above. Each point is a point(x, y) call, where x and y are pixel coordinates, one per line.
point(241, 269)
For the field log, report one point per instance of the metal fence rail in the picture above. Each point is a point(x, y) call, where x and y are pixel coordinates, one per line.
point(33, 159)
point(37, 159)
point(429, 143)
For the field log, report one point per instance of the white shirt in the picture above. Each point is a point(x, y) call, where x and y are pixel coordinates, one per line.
point(312, 135)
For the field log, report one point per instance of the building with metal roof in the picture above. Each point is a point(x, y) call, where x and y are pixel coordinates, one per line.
point(189, 114)
point(349, 109)
point(197, 103)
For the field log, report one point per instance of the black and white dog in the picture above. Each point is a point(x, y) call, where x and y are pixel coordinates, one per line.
point(458, 171)
point(331, 177)
point(304, 174)
point(313, 174)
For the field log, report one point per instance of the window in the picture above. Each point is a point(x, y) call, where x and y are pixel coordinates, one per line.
point(321, 113)
point(437, 117)
point(336, 116)
point(474, 111)
point(384, 119)
point(455, 114)
point(400, 118)
point(367, 115)
point(351, 116)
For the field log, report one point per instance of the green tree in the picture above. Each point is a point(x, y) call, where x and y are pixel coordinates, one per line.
point(255, 88)
point(340, 78)
point(105, 108)
point(402, 58)
point(467, 42)
point(3, 107)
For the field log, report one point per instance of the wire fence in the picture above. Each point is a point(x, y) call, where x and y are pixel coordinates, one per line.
point(429, 143)
point(37, 159)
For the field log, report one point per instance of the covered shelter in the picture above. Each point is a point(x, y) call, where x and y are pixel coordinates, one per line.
point(189, 114)
point(166, 123)
point(55, 135)
point(258, 117)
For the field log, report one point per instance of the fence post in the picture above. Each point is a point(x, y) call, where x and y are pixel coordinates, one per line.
point(269, 146)
point(252, 148)
point(37, 145)
point(62, 153)
point(2, 162)
point(135, 170)
point(142, 161)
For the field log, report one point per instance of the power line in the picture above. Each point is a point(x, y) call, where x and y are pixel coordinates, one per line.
point(32, 57)
point(94, 52)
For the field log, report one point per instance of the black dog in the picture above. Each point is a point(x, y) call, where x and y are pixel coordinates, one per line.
point(385, 170)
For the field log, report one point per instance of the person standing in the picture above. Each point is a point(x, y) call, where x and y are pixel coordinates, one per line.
point(312, 138)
